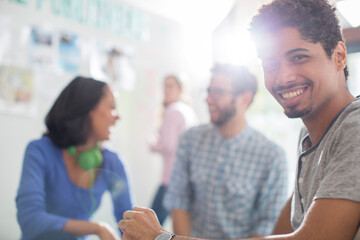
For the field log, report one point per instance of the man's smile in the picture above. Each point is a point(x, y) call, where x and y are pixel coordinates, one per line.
point(292, 96)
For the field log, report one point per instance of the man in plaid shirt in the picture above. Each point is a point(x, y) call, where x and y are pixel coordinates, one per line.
point(229, 180)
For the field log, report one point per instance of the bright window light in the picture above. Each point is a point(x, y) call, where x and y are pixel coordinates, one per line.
point(350, 10)
point(204, 15)
point(237, 48)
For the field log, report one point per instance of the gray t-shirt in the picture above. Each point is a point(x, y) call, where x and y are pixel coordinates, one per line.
point(331, 168)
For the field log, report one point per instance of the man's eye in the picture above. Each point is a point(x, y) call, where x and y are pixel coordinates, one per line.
point(298, 58)
point(218, 91)
point(214, 91)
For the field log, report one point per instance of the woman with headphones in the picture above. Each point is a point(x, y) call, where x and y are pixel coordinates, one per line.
point(66, 171)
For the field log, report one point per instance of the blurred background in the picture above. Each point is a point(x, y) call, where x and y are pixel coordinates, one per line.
point(132, 44)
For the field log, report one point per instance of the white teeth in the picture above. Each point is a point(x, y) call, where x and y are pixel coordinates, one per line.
point(290, 95)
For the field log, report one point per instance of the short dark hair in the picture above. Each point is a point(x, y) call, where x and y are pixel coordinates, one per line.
point(242, 79)
point(68, 121)
point(315, 19)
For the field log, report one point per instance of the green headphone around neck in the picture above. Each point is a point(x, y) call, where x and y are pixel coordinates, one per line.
point(88, 159)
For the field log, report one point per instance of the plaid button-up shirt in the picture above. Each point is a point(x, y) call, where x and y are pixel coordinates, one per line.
point(232, 187)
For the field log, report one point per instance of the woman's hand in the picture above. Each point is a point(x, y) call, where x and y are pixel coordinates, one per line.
point(83, 228)
point(152, 142)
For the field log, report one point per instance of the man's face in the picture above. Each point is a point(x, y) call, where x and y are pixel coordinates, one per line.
point(221, 99)
point(298, 73)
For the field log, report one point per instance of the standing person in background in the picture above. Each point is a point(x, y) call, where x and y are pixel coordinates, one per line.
point(177, 117)
point(226, 168)
point(66, 171)
point(304, 61)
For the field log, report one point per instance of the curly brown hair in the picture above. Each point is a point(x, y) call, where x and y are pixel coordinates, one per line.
point(315, 19)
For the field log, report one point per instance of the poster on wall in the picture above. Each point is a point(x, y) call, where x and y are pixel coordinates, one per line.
point(17, 90)
point(14, 40)
point(41, 49)
point(69, 52)
point(112, 64)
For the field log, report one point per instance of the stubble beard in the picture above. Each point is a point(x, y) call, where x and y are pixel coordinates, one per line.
point(225, 114)
point(293, 113)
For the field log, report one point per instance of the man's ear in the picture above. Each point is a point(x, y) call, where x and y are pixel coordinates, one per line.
point(340, 56)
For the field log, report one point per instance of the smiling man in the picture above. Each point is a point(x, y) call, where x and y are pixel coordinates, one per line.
point(226, 168)
point(304, 61)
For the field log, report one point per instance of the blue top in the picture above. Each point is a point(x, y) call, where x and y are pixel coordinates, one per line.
point(232, 187)
point(47, 198)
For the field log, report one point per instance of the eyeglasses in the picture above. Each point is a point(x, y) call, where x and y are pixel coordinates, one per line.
point(216, 93)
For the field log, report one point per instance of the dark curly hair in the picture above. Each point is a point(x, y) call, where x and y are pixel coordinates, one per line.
point(315, 19)
point(68, 121)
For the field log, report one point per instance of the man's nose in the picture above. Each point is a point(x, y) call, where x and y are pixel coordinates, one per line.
point(286, 74)
point(209, 98)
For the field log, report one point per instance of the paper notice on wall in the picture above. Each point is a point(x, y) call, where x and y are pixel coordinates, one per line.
point(17, 90)
point(69, 52)
point(14, 39)
point(41, 49)
point(113, 65)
